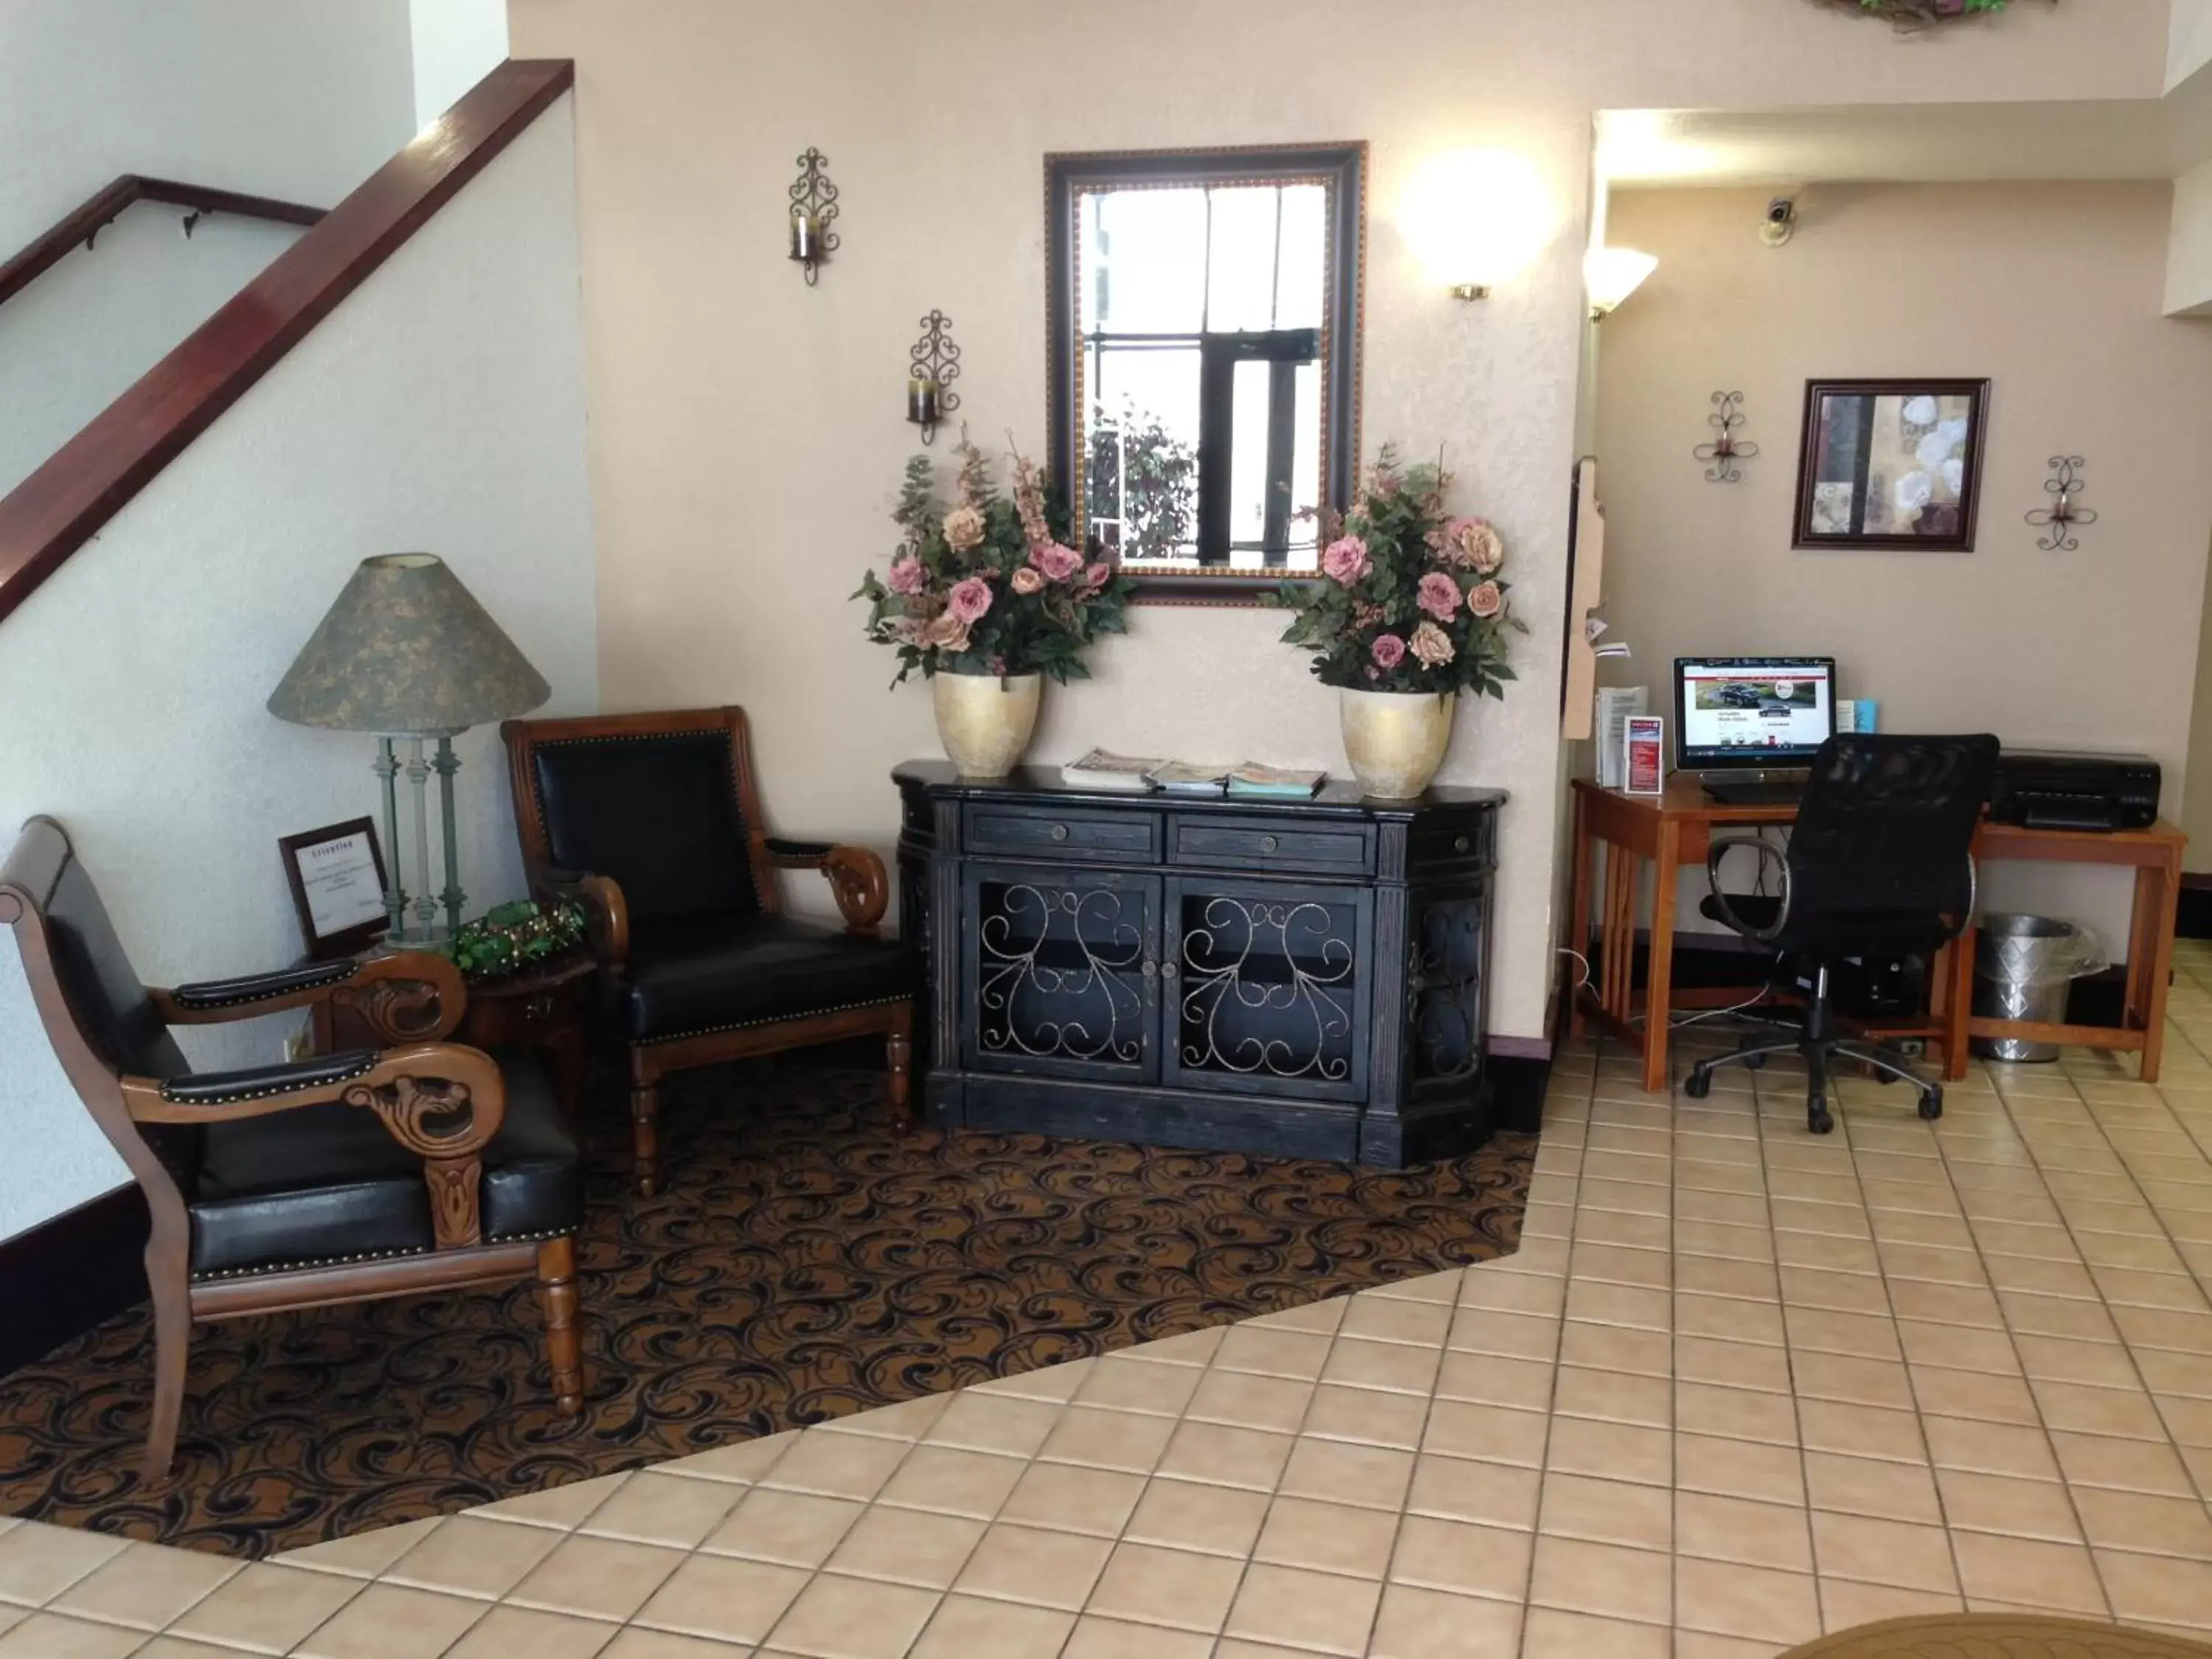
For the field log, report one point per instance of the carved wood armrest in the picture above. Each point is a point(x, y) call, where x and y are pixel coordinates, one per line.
point(606, 914)
point(442, 1102)
point(856, 876)
point(406, 996)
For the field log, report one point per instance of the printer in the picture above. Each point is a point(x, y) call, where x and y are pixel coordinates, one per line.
point(2063, 789)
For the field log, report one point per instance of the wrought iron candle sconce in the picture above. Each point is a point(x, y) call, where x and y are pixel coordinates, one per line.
point(1727, 449)
point(932, 367)
point(2058, 520)
point(813, 208)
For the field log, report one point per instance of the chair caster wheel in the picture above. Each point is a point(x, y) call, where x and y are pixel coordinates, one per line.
point(1931, 1104)
point(1699, 1084)
point(1753, 1063)
point(1817, 1118)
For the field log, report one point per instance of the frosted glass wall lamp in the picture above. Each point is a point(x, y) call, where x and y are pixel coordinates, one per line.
point(1611, 275)
point(408, 655)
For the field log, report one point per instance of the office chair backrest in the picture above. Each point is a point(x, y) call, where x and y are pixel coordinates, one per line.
point(1885, 831)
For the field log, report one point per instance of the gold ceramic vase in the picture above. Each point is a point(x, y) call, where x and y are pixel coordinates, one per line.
point(1395, 740)
point(984, 721)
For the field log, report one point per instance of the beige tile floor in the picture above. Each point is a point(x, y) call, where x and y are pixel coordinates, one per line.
point(1739, 1385)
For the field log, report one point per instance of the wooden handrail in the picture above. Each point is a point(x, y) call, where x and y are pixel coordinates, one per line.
point(84, 484)
point(98, 211)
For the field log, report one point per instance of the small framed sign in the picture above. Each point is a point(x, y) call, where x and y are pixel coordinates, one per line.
point(336, 878)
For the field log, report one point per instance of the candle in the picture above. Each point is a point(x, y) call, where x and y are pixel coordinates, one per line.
point(805, 236)
point(922, 401)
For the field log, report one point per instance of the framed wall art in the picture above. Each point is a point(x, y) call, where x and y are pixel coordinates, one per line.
point(1890, 464)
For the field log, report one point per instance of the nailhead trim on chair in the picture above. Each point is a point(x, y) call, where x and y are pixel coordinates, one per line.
point(779, 1019)
point(339, 972)
point(260, 1268)
point(284, 1088)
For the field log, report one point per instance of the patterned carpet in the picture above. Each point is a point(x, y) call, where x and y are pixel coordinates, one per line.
point(801, 1264)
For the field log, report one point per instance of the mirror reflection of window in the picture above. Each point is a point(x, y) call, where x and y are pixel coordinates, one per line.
point(1201, 388)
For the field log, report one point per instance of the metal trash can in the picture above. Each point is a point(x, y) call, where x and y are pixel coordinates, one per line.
point(2023, 968)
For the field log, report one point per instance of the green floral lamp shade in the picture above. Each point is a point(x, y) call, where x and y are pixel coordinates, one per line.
point(407, 649)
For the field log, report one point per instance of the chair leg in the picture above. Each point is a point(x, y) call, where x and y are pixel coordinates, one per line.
point(564, 1347)
point(173, 1342)
point(645, 1126)
point(898, 1077)
point(1893, 1065)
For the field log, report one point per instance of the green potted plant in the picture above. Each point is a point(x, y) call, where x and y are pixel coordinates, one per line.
point(986, 602)
point(1409, 611)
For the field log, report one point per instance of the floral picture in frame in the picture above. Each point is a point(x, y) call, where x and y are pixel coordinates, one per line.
point(1890, 464)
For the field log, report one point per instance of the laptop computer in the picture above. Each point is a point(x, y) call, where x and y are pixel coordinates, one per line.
point(1748, 726)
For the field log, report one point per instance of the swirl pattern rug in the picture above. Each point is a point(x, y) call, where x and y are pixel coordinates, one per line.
point(802, 1262)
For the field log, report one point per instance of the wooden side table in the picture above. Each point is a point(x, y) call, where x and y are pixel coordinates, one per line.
point(544, 1008)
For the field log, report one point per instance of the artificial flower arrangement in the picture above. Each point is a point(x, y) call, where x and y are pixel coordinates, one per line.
point(989, 587)
point(1410, 598)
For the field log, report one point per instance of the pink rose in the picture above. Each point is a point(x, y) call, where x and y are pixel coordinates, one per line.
point(947, 632)
point(1431, 645)
point(1345, 560)
point(1388, 650)
point(907, 576)
point(969, 600)
point(1485, 601)
point(1026, 580)
point(1057, 561)
point(964, 529)
point(1480, 546)
point(1098, 575)
point(1438, 595)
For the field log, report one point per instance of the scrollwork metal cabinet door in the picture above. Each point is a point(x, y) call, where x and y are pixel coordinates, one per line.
point(1263, 986)
point(1059, 972)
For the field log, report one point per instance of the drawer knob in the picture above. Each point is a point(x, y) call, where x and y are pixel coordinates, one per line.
point(1268, 843)
point(1461, 844)
point(1059, 832)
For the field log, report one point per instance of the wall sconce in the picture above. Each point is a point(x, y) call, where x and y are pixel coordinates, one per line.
point(1726, 449)
point(932, 367)
point(813, 206)
point(1477, 218)
point(1612, 274)
point(2057, 519)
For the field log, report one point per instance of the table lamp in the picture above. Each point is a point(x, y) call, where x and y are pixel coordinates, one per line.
point(408, 655)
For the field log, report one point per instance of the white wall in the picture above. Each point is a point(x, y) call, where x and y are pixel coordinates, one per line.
point(2189, 245)
point(440, 406)
point(272, 97)
point(2189, 39)
point(456, 44)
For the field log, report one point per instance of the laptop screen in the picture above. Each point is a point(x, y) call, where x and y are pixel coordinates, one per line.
point(1749, 712)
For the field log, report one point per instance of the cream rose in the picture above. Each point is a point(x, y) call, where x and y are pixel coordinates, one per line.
point(1431, 645)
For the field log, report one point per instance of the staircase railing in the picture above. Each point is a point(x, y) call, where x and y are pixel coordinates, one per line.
point(84, 224)
point(84, 484)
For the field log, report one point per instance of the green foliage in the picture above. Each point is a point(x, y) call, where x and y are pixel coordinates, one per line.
point(1157, 473)
point(1396, 608)
point(508, 937)
point(988, 586)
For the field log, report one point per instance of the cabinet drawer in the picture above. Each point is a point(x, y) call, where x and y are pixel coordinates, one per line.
point(1125, 838)
point(1468, 841)
point(1268, 844)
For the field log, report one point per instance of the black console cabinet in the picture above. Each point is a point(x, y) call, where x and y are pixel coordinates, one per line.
point(1304, 978)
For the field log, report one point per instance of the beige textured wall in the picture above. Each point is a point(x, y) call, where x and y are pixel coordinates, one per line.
point(2051, 291)
point(746, 431)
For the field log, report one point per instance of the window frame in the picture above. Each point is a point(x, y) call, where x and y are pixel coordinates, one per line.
point(1342, 168)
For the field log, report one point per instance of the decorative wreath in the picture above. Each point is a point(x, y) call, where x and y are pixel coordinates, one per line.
point(509, 937)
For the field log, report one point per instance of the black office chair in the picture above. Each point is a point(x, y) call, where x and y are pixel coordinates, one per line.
point(1879, 863)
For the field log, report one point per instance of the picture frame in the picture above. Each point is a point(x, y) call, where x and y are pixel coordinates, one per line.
point(1890, 464)
point(329, 872)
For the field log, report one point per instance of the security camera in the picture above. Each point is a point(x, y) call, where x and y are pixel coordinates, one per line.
point(1780, 222)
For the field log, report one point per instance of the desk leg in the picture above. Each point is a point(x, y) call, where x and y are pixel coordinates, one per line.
point(2150, 957)
point(1958, 1000)
point(1578, 920)
point(1659, 977)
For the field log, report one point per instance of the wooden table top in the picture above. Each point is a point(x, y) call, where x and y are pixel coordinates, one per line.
point(2013, 1635)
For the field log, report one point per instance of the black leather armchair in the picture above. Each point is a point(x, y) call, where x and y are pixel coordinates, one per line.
point(653, 822)
point(415, 1166)
point(1879, 863)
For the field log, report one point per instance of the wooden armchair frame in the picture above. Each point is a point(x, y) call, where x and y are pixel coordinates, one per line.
point(857, 879)
point(442, 1101)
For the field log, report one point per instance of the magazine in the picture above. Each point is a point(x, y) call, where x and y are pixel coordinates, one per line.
point(1103, 769)
point(1257, 782)
point(1189, 778)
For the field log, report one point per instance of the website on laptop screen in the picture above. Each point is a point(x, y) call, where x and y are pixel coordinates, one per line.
point(1745, 710)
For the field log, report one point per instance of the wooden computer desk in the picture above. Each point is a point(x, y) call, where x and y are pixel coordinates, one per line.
point(1674, 828)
